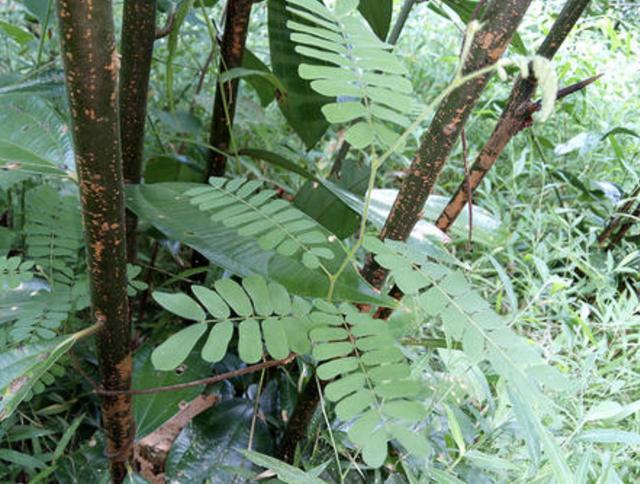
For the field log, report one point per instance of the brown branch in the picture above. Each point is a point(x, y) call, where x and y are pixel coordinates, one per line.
point(617, 238)
point(166, 30)
point(515, 120)
point(138, 34)
point(91, 65)
point(224, 107)
point(204, 381)
point(151, 452)
point(500, 20)
point(617, 219)
point(517, 114)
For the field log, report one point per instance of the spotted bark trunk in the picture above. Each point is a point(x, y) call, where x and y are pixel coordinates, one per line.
point(515, 117)
point(138, 35)
point(91, 65)
point(224, 106)
point(500, 20)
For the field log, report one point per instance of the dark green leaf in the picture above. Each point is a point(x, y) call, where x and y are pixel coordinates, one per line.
point(378, 13)
point(210, 446)
point(301, 105)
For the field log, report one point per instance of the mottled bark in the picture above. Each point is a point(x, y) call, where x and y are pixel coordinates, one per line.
point(224, 106)
point(515, 117)
point(91, 66)
point(299, 422)
point(500, 20)
point(138, 35)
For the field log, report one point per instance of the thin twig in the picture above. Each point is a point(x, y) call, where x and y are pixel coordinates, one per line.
point(203, 381)
point(168, 26)
point(465, 157)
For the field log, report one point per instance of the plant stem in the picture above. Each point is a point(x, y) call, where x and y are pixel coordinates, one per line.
point(515, 117)
point(232, 49)
point(91, 66)
point(138, 36)
point(204, 381)
point(403, 16)
point(499, 22)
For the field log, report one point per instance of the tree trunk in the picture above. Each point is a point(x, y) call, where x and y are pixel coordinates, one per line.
point(224, 106)
point(515, 117)
point(138, 35)
point(91, 65)
point(500, 20)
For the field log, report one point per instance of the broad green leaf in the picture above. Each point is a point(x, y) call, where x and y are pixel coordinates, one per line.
point(217, 344)
point(152, 410)
point(374, 451)
point(212, 302)
point(170, 354)
point(276, 160)
point(18, 34)
point(275, 338)
point(249, 341)
point(234, 296)
point(301, 105)
point(34, 140)
point(22, 367)
point(266, 84)
point(285, 472)
point(166, 207)
point(258, 291)
point(180, 304)
point(212, 444)
point(318, 202)
point(378, 13)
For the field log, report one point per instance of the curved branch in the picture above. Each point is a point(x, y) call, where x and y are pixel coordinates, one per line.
point(168, 26)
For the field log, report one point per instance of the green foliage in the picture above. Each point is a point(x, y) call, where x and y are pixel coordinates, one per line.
point(274, 223)
point(362, 69)
point(24, 367)
point(301, 105)
point(53, 233)
point(166, 206)
point(13, 272)
point(371, 381)
point(282, 326)
point(445, 295)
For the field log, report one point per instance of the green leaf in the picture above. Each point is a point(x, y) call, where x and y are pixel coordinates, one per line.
point(21, 36)
point(212, 443)
point(319, 202)
point(21, 368)
point(234, 296)
point(212, 302)
point(170, 354)
point(33, 139)
point(264, 85)
point(258, 291)
point(285, 472)
point(301, 105)
point(276, 160)
point(180, 304)
point(609, 436)
point(20, 459)
point(168, 168)
point(215, 348)
point(249, 341)
point(48, 83)
point(378, 13)
point(152, 410)
point(170, 211)
point(245, 73)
